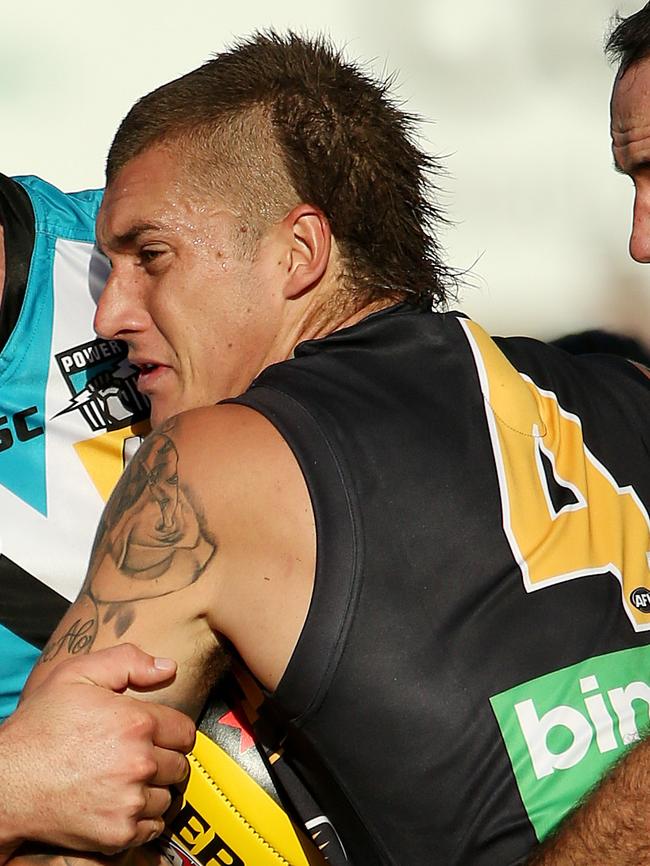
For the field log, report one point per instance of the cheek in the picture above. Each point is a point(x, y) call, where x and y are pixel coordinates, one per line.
point(214, 311)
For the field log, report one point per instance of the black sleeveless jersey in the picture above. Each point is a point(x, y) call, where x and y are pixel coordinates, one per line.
point(476, 652)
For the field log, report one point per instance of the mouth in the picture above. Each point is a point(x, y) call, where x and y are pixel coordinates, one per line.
point(148, 373)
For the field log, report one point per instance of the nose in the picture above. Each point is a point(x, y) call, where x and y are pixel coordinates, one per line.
point(120, 310)
point(640, 237)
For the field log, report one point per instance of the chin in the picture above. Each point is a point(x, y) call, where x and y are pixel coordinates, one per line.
point(160, 415)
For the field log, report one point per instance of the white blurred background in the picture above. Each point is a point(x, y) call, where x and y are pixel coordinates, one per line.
point(514, 92)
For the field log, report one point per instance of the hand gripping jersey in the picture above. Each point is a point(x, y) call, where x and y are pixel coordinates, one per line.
point(477, 649)
point(69, 413)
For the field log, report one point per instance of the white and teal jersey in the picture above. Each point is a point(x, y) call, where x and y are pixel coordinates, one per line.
point(69, 414)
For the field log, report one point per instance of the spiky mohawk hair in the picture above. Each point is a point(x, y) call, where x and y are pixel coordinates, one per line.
point(279, 119)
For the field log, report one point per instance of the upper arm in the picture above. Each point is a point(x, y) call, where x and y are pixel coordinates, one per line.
point(151, 549)
point(207, 533)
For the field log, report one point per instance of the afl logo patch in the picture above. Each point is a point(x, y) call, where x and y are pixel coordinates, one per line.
point(640, 598)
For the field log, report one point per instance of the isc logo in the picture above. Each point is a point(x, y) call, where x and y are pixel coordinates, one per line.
point(19, 422)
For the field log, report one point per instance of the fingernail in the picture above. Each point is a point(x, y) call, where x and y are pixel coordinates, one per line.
point(163, 664)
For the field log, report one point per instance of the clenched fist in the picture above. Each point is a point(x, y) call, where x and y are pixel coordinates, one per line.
point(85, 767)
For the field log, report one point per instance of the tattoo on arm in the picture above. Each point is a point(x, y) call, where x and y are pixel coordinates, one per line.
point(151, 542)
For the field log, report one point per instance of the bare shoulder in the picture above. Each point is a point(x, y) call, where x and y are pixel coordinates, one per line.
point(247, 484)
point(208, 534)
point(237, 465)
point(229, 439)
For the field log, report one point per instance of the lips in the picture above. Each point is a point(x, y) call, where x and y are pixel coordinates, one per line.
point(148, 373)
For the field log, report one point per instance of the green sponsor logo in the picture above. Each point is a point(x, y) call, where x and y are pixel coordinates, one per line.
point(563, 730)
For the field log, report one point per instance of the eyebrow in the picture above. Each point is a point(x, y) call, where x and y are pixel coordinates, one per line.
point(128, 237)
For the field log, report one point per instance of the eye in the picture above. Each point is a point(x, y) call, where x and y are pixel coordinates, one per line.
point(150, 256)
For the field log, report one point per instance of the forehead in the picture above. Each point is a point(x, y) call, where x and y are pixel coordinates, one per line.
point(151, 191)
point(630, 112)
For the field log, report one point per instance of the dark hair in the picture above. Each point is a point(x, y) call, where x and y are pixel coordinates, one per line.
point(629, 39)
point(603, 342)
point(282, 119)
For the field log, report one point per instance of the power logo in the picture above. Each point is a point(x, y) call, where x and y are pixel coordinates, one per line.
point(103, 385)
point(563, 730)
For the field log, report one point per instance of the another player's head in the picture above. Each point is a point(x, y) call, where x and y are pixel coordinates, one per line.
point(629, 46)
point(285, 174)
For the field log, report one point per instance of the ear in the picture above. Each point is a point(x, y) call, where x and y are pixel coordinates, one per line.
point(310, 246)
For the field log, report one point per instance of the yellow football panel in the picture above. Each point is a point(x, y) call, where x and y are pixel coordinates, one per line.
point(243, 814)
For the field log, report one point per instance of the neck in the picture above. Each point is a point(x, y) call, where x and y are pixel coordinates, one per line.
point(321, 310)
point(331, 317)
point(2, 263)
point(320, 320)
point(366, 310)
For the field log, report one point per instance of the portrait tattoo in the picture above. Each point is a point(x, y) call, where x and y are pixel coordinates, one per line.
point(151, 542)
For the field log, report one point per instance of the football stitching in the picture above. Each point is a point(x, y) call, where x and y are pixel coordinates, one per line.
point(234, 808)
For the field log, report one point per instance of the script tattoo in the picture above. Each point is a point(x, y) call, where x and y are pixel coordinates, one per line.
point(151, 542)
point(77, 637)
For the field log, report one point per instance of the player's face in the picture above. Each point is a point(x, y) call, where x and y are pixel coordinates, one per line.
point(198, 317)
point(631, 148)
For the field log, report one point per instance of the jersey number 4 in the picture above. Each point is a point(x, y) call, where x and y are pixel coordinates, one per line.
point(564, 515)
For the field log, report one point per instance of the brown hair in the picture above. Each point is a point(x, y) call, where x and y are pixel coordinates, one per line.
point(280, 119)
point(629, 39)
